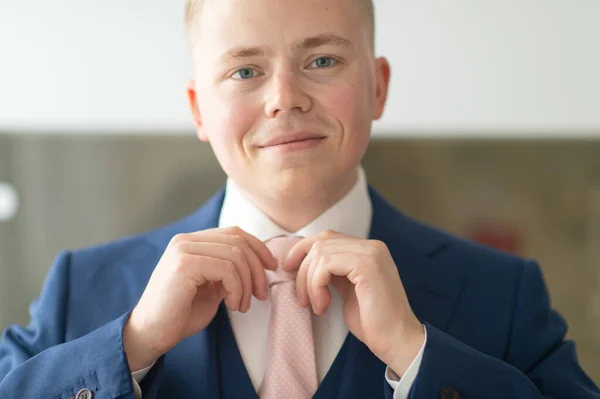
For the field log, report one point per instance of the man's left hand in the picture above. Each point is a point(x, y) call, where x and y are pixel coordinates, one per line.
point(376, 309)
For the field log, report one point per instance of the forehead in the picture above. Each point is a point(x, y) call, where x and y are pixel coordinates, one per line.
point(273, 23)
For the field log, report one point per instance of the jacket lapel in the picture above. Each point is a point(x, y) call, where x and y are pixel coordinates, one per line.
point(192, 367)
point(207, 217)
point(233, 377)
point(432, 292)
point(431, 286)
point(363, 373)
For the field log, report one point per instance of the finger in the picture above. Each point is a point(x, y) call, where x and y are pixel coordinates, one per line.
point(230, 253)
point(220, 290)
point(314, 261)
point(260, 249)
point(206, 268)
point(259, 284)
point(301, 282)
point(218, 235)
point(298, 252)
point(260, 287)
point(303, 247)
point(256, 253)
point(335, 268)
point(322, 248)
point(260, 258)
point(243, 269)
point(321, 278)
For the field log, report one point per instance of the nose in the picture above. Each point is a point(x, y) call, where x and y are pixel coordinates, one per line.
point(286, 94)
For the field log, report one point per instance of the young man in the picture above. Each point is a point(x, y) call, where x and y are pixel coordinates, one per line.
point(296, 280)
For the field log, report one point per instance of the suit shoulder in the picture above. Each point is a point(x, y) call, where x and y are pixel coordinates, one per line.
point(110, 252)
point(129, 247)
point(467, 256)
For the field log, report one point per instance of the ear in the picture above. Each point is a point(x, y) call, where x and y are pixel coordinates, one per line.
point(193, 104)
point(382, 77)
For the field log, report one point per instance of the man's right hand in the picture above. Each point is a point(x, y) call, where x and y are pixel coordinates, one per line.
point(196, 272)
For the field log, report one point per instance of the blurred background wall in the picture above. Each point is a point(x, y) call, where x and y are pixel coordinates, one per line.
point(492, 132)
point(474, 67)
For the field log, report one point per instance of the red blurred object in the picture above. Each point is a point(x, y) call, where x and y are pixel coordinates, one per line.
point(499, 236)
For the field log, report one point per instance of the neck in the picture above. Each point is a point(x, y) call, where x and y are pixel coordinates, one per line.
point(292, 214)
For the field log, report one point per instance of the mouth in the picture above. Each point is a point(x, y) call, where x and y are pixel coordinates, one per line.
point(293, 139)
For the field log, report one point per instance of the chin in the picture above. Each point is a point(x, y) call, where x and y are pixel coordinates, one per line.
point(296, 183)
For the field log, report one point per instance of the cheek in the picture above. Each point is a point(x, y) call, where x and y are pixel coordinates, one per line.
point(226, 122)
point(351, 106)
point(227, 119)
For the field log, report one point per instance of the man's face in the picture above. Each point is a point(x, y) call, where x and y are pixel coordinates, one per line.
point(270, 71)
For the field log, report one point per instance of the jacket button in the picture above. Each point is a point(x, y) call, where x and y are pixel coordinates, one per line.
point(445, 393)
point(84, 394)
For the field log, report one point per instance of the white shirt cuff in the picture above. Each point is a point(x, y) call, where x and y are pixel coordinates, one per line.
point(137, 377)
point(402, 385)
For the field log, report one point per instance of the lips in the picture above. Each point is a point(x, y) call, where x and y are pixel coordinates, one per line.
point(291, 138)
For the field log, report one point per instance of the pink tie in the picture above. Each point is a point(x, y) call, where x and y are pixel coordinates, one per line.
point(291, 371)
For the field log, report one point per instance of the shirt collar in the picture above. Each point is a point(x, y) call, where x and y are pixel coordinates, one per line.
point(351, 215)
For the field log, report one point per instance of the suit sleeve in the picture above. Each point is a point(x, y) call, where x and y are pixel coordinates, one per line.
point(36, 362)
point(539, 362)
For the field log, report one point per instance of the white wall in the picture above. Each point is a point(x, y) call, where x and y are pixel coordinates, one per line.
point(503, 66)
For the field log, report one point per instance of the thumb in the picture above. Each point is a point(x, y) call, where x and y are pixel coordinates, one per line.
point(220, 290)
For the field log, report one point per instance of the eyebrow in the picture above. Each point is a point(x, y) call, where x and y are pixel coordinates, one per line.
point(322, 40)
point(245, 52)
point(304, 44)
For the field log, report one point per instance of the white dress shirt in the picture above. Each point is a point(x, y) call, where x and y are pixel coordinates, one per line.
point(251, 329)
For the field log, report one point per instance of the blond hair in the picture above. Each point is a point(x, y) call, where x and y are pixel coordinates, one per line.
point(193, 8)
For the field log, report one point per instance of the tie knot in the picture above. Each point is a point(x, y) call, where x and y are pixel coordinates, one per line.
point(279, 247)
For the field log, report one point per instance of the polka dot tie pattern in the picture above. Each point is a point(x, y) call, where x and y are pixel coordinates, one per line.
point(291, 370)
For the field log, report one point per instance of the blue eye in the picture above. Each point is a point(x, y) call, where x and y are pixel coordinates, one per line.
point(324, 62)
point(245, 73)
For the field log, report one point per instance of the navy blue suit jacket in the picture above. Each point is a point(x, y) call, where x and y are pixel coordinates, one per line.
point(491, 331)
